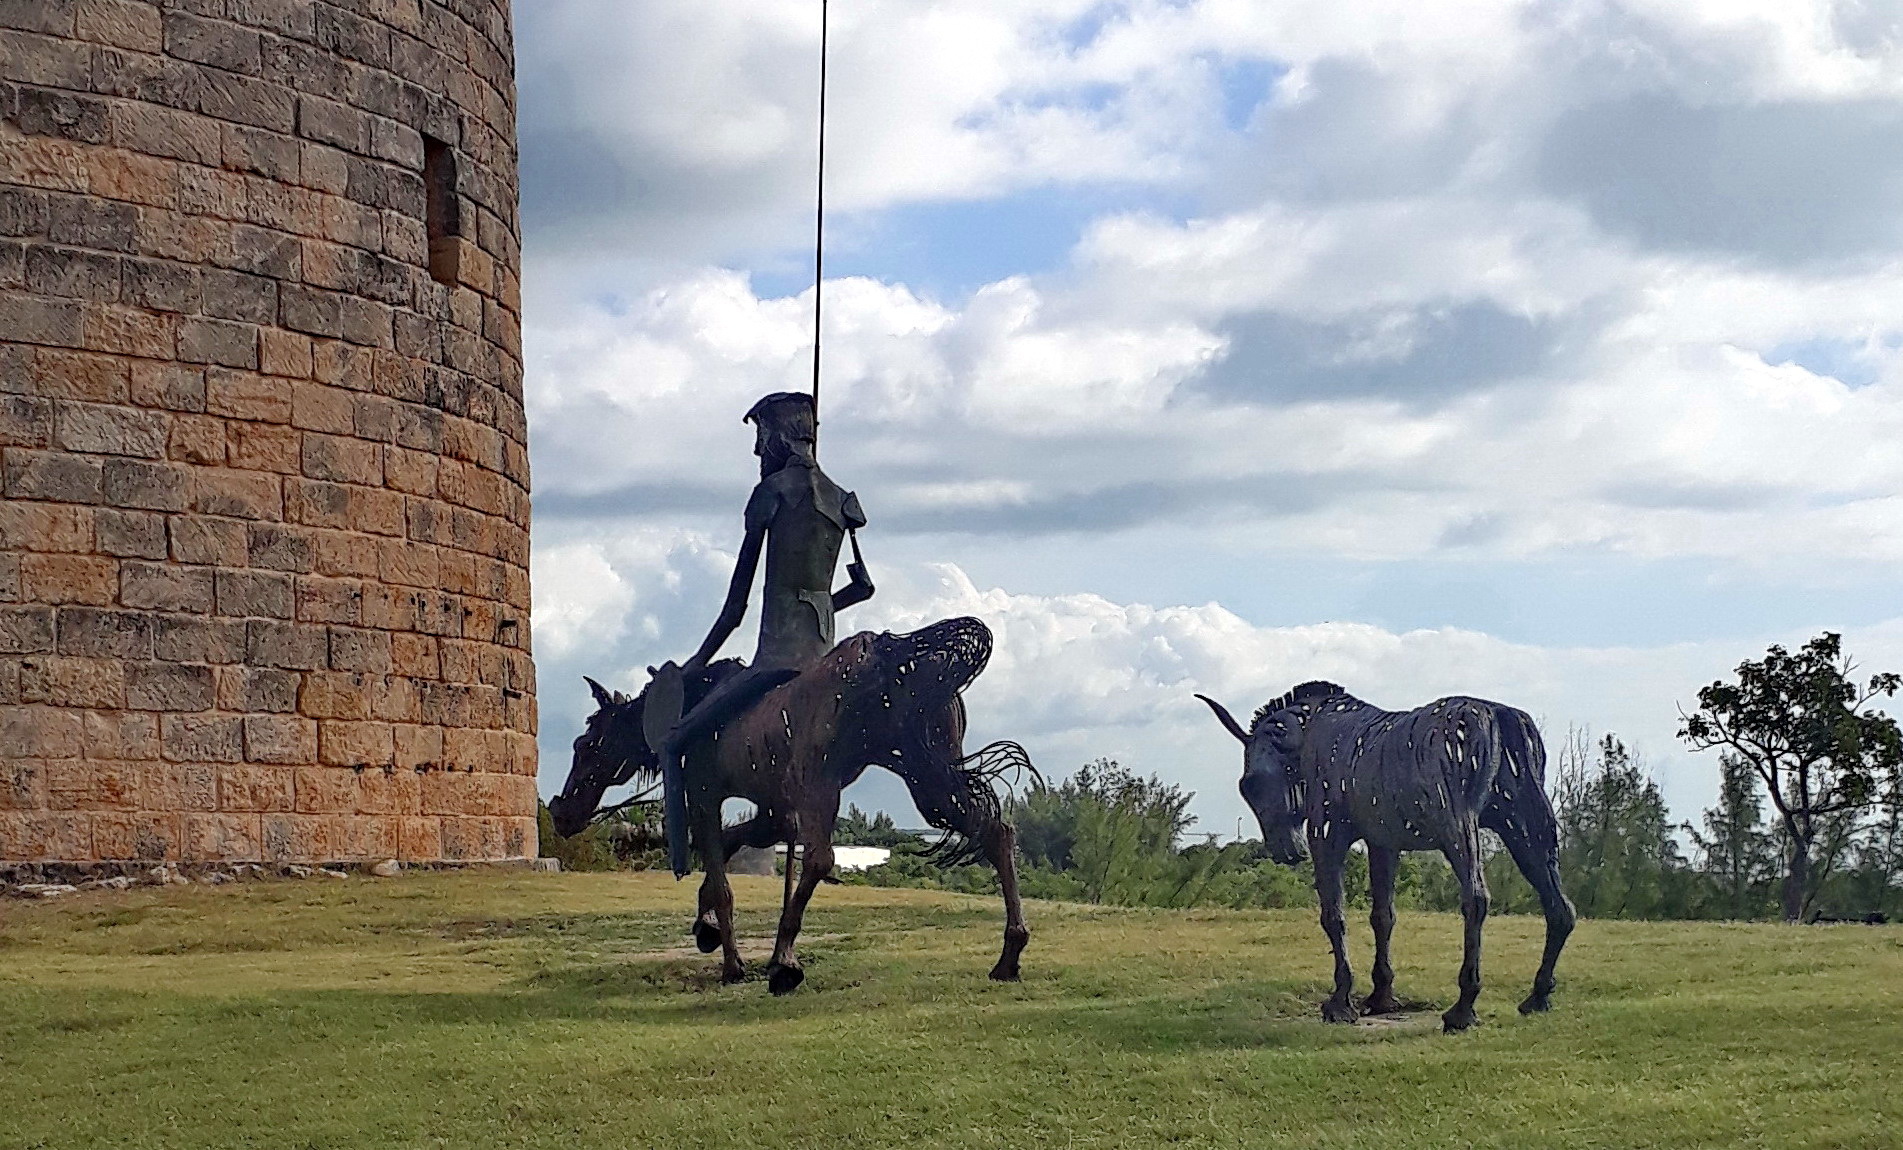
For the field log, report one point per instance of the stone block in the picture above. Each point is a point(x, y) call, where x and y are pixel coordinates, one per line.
point(91, 632)
point(390, 790)
point(77, 786)
point(334, 695)
point(71, 272)
point(212, 42)
point(267, 154)
point(345, 553)
point(173, 386)
point(221, 837)
point(311, 837)
point(68, 682)
point(239, 494)
point(53, 475)
point(128, 331)
point(280, 739)
point(84, 579)
point(419, 839)
point(281, 548)
point(292, 646)
point(197, 439)
point(245, 395)
point(342, 459)
point(353, 649)
point(287, 353)
point(66, 115)
point(26, 421)
point(352, 744)
point(121, 24)
point(130, 534)
point(256, 787)
point(326, 790)
point(321, 600)
point(202, 738)
point(204, 539)
point(166, 587)
point(217, 341)
point(263, 447)
point(52, 836)
point(168, 687)
point(159, 131)
point(128, 736)
point(241, 297)
point(142, 836)
point(110, 430)
point(370, 837)
point(146, 486)
point(255, 594)
point(23, 786)
point(79, 375)
point(192, 640)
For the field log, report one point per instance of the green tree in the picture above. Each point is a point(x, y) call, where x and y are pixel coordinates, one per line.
point(1804, 725)
point(1736, 854)
point(1616, 847)
point(856, 829)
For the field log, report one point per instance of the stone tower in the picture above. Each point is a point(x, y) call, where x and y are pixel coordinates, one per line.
point(264, 543)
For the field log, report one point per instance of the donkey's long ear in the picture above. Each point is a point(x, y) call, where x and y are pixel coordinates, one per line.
point(602, 697)
point(1228, 720)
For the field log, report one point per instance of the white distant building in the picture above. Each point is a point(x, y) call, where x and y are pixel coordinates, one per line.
point(852, 858)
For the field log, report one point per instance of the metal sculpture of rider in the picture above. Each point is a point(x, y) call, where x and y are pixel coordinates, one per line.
point(799, 518)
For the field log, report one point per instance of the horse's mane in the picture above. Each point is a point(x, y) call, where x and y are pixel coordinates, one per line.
point(1310, 692)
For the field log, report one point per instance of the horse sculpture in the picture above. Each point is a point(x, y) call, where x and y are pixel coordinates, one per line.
point(1424, 779)
point(885, 700)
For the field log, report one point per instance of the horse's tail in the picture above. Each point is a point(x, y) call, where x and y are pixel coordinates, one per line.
point(1520, 740)
point(928, 669)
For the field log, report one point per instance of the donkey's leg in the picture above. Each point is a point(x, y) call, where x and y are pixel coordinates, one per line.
point(784, 973)
point(758, 831)
point(1464, 856)
point(1001, 846)
point(1536, 852)
point(1330, 861)
point(1382, 862)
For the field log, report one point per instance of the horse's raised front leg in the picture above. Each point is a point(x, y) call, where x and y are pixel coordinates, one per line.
point(716, 892)
point(1001, 846)
point(1536, 853)
point(784, 973)
point(1330, 861)
point(758, 831)
point(1382, 862)
point(1464, 856)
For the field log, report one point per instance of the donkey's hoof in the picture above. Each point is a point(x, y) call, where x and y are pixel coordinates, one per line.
point(1333, 1011)
point(1004, 973)
point(1456, 1020)
point(706, 936)
point(1536, 1004)
point(784, 979)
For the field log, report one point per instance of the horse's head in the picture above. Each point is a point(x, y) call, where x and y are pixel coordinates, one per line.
point(1272, 782)
point(609, 752)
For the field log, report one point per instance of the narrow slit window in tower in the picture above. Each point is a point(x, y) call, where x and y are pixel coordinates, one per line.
point(442, 210)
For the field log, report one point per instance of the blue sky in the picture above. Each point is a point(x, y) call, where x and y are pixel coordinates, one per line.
point(1544, 351)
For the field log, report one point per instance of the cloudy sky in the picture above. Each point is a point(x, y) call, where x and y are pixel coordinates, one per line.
point(1546, 351)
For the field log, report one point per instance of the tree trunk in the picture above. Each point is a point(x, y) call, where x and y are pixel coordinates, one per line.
point(1796, 879)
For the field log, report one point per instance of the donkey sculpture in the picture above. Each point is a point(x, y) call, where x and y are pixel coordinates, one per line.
point(874, 700)
point(1426, 779)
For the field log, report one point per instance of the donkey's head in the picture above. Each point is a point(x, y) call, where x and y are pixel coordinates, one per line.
point(1272, 782)
point(609, 752)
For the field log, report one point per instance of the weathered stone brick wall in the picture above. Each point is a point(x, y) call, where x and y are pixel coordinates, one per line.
point(264, 536)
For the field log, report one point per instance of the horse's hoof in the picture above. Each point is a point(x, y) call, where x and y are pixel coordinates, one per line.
point(1381, 1004)
point(1536, 1004)
point(733, 974)
point(706, 936)
point(1003, 973)
point(1333, 1011)
point(1456, 1020)
point(784, 979)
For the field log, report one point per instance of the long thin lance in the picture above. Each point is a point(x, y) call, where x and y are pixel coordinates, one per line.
point(819, 216)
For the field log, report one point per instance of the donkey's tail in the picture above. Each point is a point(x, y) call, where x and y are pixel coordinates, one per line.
point(956, 793)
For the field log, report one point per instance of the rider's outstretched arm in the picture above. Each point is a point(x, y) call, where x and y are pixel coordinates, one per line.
point(855, 592)
point(735, 609)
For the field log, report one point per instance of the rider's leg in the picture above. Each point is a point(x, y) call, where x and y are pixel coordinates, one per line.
point(726, 700)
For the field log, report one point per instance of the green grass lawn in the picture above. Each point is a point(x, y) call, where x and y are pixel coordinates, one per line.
point(516, 1009)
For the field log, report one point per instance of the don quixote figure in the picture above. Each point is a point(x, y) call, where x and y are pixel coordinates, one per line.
point(791, 730)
